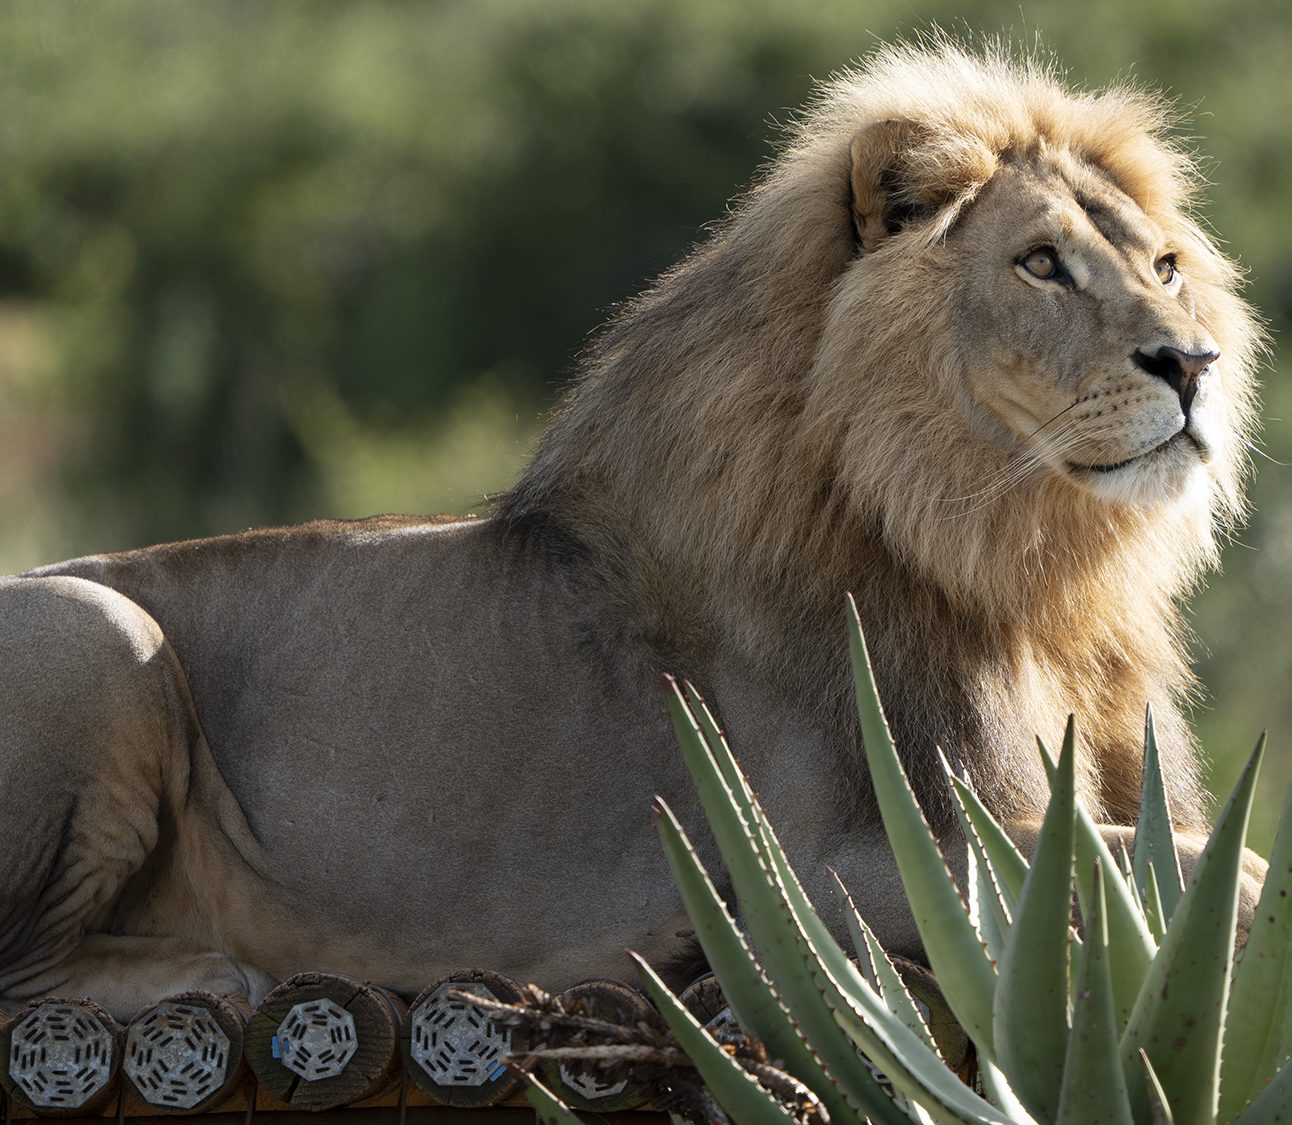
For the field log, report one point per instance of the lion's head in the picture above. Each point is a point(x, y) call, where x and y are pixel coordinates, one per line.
point(1075, 320)
point(962, 348)
point(1030, 253)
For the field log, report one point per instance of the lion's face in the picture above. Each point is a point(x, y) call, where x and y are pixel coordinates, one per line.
point(1080, 334)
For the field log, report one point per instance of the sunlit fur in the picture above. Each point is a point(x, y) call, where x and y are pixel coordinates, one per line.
point(781, 418)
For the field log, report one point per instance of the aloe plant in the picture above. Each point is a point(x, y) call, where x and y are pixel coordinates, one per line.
point(1141, 1016)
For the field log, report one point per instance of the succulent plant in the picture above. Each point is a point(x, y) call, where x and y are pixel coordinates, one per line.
point(1139, 1015)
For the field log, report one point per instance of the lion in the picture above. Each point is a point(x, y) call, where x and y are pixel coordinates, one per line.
point(961, 350)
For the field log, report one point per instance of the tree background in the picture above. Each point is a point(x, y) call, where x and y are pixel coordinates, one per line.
point(265, 262)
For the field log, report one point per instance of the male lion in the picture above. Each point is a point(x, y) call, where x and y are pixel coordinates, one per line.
point(961, 351)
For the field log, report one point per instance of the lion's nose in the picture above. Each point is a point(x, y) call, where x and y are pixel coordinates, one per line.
point(1181, 370)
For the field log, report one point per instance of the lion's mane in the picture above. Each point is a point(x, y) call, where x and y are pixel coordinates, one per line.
point(737, 452)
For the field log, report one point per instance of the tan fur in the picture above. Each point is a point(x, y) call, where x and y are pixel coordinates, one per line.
point(776, 412)
point(397, 746)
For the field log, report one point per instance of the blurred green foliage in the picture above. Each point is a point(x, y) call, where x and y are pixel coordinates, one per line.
point(261, 262)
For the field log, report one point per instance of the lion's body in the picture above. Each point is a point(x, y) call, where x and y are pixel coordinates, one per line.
point(370, 727)
point(430, 750)
point(393, 746)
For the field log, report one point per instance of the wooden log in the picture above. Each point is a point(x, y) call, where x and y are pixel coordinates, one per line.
point(704, 1000)
point(321, 1040)
point(454, 1052)
point(184, 1054)
point(584, 1085)
point(60, 1058)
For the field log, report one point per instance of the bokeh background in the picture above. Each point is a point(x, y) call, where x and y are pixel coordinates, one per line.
point(264, 262)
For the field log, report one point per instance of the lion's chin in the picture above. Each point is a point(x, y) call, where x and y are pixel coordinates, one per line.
point(1173, 470)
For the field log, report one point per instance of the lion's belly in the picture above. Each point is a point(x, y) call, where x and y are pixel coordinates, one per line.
point(535, 857)
point(443, 766)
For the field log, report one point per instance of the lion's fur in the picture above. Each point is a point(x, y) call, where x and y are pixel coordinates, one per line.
point(729, 445)
point(454, 722)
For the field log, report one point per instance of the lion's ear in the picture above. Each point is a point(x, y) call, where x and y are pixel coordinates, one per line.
point(883, 197)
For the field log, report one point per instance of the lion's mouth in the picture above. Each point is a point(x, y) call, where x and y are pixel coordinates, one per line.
point(1174, 439)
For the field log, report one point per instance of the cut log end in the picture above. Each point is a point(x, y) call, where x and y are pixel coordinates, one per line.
point(705, 1001)
point(584, 1085)
point(184, 1054)
point(321, 1040)
point(454, 1052)
point(60, 1058)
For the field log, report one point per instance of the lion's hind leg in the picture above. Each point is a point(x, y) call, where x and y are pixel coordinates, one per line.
point(95, 738)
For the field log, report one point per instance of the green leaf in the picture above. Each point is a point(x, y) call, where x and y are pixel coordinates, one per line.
point(1258, 1031)
point(1158, 1106)
point(817, 977)
point(882, 976)
point(720, 750)
point(866, 963)
point(1007, 863)
point(1274, 1103)
point(1000, 1093)
point(1094, 1084)
point(1031, 1008)
point(777, 937)
point(1178, 1016)
point(1130, 943)
point(1154, 835)
point(955, 954)
point(549, 1108)
point(991, 907)
point(915, 1070)
point(1154, 913)
point(732, 1087)
point(986, 910)
point(754, 1000)
point(1127, 868)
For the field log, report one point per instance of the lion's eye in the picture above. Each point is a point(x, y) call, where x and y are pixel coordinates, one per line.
point(1042, 263)
point(1165, 267)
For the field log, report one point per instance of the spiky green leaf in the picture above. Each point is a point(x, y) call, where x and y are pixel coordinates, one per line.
point(1000, 1093)
point(1031, 1006)
point(1258, 1029)
point(991, 905)
point(1127, 867)
point(820, 977)
point(1154, 835)
point(916, 1070)
point(1094, 1084)
point(1179, 1014)
point(880, 972)
point(1131, 947)
point(986, 909)
point(1008, 866)
point(1154, 911)
point(547, 1106)
point(777, 937)
point(964, 971)
point(732, 1087)
point(754, 1000)
point(1159, 1107)
point(1272, 1104)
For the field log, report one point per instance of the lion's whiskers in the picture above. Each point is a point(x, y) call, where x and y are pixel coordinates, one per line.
point(1036, 455)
